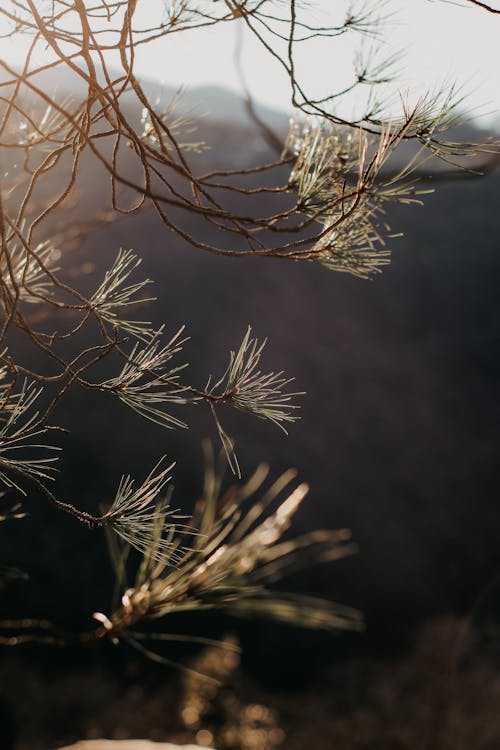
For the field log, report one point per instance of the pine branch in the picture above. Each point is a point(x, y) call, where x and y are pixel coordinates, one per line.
point(231, 563)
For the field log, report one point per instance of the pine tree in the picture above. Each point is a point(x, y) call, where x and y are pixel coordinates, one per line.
point(327, 188)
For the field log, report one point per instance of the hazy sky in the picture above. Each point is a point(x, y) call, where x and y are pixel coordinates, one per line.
point(441, 42)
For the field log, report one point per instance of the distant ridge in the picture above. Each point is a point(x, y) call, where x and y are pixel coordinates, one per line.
point(217, 103)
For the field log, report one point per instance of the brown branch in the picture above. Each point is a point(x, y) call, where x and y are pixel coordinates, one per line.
point(485, 6)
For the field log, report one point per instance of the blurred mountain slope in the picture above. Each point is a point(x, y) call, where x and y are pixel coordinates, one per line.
point(400, 431)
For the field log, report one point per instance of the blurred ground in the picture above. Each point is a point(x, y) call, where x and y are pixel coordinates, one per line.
point(443, 695)
point(399, 439)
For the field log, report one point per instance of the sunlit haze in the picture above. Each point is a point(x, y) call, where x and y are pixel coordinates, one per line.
point(441, 42)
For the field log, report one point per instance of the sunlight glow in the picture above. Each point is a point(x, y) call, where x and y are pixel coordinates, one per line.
point(440, 42)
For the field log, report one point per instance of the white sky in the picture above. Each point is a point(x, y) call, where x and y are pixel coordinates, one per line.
point(442, 42)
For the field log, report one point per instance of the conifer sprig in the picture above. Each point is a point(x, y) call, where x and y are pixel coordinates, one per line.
point(27, 274)
point(18, 427)
point(141, 514)
point(114, 294)
point(246, 387)
point(147, 381)
point(234, 560)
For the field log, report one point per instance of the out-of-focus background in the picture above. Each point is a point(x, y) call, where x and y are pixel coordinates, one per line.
point(399, 439)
